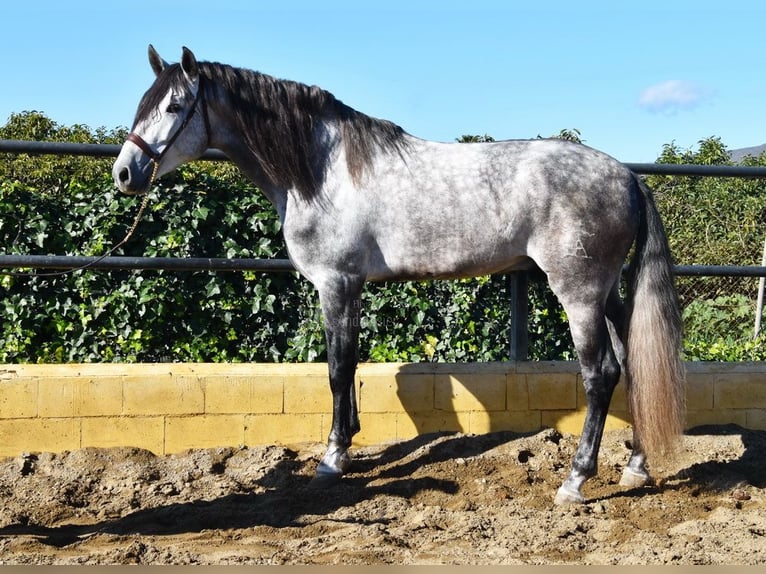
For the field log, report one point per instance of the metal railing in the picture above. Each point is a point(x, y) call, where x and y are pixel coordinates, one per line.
point(112, 150)
point(519, 280)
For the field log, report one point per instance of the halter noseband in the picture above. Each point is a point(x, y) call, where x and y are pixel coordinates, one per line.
point(155, 156)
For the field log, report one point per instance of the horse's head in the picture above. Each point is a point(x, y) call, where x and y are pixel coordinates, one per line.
point(171, 125)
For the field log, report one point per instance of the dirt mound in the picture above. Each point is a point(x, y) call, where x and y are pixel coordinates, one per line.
point(444, 498)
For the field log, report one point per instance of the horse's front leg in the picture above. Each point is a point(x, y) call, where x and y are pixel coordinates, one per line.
point(341, 306)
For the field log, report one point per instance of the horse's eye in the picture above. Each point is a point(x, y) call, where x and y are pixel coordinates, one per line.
point(174, 108)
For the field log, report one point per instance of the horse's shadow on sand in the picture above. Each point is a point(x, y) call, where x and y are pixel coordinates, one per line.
point(715, 475)
point(292, 497)
point(722, 475)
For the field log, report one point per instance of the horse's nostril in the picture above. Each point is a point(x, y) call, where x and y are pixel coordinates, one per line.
point(124, 175)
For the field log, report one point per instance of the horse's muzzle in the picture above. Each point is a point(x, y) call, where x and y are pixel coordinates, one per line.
point(130, 181)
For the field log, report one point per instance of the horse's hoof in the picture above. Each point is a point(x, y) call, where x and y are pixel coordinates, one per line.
point(335, 462)
point(568, 496)
point(331, 470)
point(634, 479)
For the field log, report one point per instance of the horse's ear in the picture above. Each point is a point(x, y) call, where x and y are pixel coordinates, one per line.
point(157, 63)
point(189, 65)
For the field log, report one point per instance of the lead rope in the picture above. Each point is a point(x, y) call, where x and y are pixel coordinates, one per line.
point(128, 235)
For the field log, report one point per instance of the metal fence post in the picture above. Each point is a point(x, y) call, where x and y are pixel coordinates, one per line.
point(519, 282)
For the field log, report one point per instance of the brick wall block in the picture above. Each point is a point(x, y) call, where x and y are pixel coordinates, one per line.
point(140, 432)
point(397, 393)
point(38, 435)
point(203, 431)
point(377, 428)
point(98, 396)
point(309, 394)
point(56, 397)
point(700, 391)
point(740, 391)
point(552, 391)
point(755, 419)
point(517, 392)
point(18, 398)
point(165, 394)
point(470, 392)
point(288, 428)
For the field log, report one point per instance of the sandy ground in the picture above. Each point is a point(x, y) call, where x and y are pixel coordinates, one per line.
point(437, 499)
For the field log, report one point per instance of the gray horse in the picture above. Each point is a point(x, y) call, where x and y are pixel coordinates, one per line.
point(362, 200)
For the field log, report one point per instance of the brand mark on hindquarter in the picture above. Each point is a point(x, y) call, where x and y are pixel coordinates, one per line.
point(577, 247)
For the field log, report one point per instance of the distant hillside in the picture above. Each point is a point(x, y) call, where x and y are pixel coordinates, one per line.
point(738, 154)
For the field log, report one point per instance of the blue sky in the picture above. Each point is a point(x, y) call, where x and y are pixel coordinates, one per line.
point(630, 76)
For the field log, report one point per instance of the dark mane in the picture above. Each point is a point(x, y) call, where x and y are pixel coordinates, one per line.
point(277, 119)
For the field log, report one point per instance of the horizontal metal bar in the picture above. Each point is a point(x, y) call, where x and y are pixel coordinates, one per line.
point(714, 270)
point(147, 263)
point(697, 170)
point(58, 148)
point(112, 150)
point(720, 270)
point(91, 150)
point(272, 265)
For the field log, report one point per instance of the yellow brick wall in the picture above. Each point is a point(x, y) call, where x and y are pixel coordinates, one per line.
point(172, 407)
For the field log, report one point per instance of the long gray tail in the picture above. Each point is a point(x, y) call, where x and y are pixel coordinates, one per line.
point(656, 376)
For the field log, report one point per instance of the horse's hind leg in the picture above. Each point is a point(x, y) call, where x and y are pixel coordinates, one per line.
point(600, 370)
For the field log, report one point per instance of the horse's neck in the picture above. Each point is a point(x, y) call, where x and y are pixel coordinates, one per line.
point(233, 145)
point(226, 138)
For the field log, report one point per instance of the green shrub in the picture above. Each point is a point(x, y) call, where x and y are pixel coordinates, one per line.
point(721, 329)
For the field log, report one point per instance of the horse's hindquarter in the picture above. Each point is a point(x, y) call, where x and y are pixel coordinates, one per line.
point(585, 209)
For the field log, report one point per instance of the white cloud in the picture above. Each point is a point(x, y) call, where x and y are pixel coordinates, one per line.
point(673, 96)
